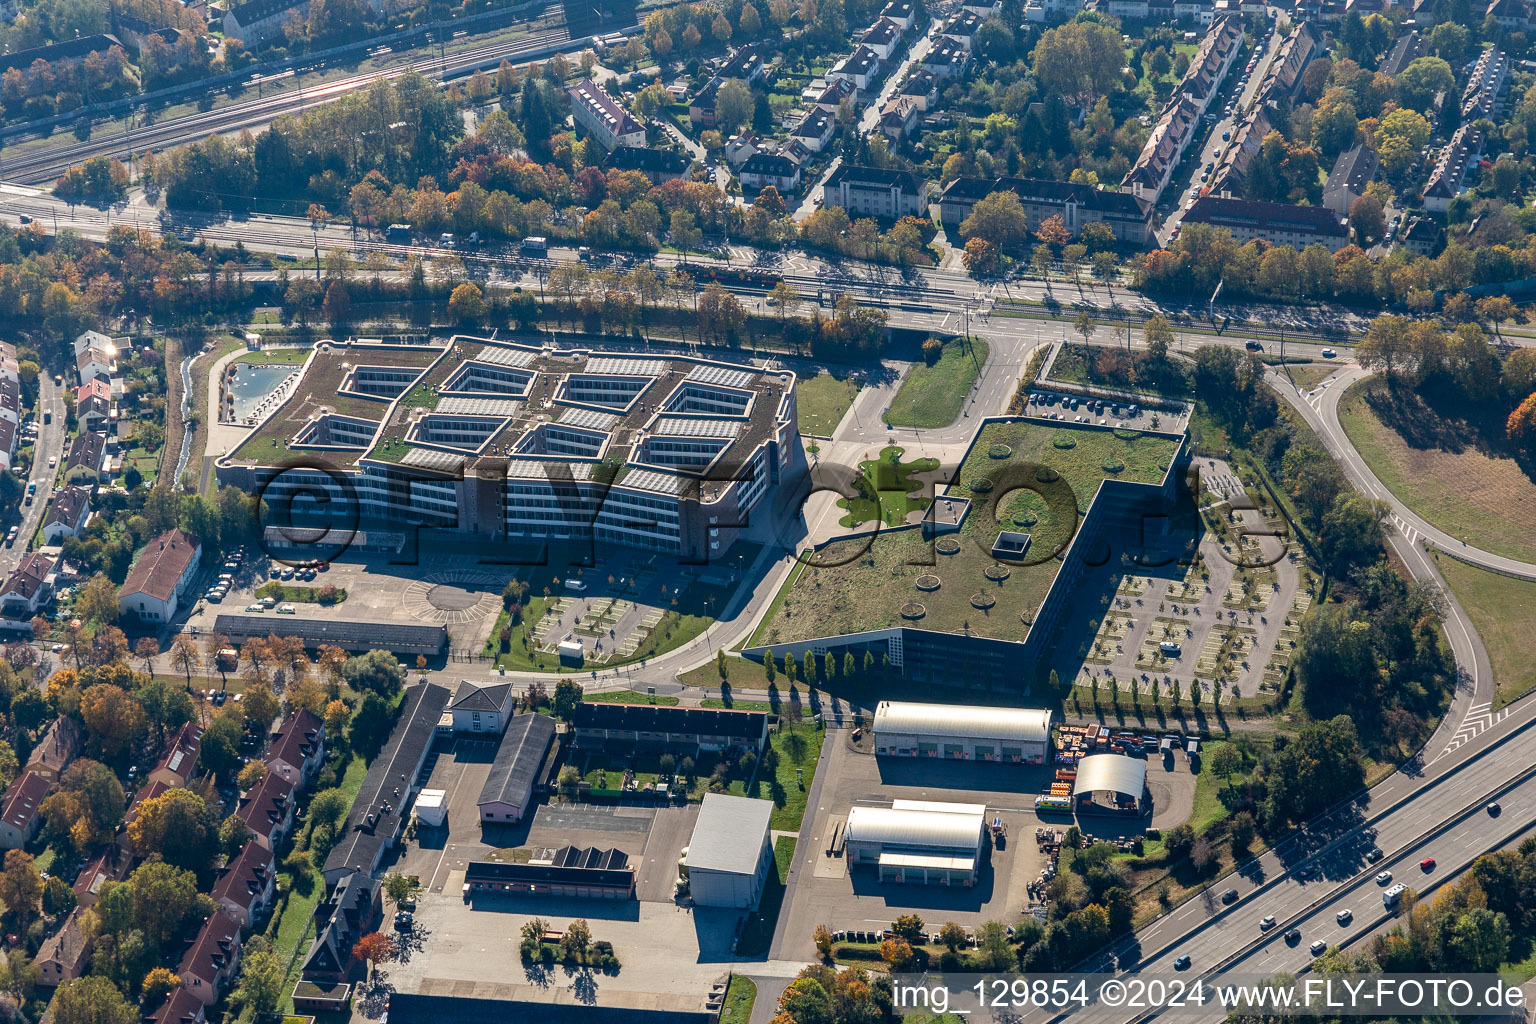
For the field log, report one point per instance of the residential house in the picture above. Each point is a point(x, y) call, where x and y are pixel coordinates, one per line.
point(87, 459)
point(745, 65)
point(180, 1007)
point(1445, 182)
point(766, 169)
point(984, 8)
point(245, 887)
point(256, 21)
point(1489, 75)
point(1247, 140)
point(60, 59)
point(1423, 237)
point(658, 165)
point(1512, 15)
point(93, 403)
point(151, 789)
point(962, 27)
point(482, 708)
point(8, 436)
point(112, 864)
point(350, 912)
point(902, 12)
point(66, 953)
point(95, 357)
point(1352, 172)
point(1405, 51)
point(922, 89)
point(1169, 140)
point(602, 117)
point(1276, 223)
point(20, 810)
point(884, 37)
point(815, 130)
point(28, 589)
point(268, 809)
point(162, 574)
point(830, 96)
point(899, 117)
point(860, 68)
point(740, 148)
point(1042, 11)
point(212, 959)
point(67, 515)
point(10, 401)
point(59, 746)
point(946, 59)
point(878, 192)
point(296, 749)
point(10, 366)
point(1139, 9)
point(1128, 216)
point(178, 762)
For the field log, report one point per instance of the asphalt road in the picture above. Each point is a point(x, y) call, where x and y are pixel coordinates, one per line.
point(50, 445)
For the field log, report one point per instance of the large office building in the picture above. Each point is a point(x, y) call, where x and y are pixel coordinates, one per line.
point(954, 732)
point(917, 842)
point(519, 443)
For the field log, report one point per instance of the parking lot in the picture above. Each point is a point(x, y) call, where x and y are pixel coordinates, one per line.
point(670, 954)
point(827, 891)
point(1105, 412)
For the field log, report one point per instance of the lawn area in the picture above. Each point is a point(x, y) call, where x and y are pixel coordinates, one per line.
point(931, 396)
point(787, 793)
point(629, 697)
point(888, 490)
point(1503, 610)
point(296, 595)
point(146, 462)
point(1021, 476)
point(738, 1001)
point(736, 705)
point(1484, 499)
point(821, 401)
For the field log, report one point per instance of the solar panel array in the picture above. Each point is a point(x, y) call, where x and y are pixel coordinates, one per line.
point(681, 426)
point(725, 376)
point(431, 458)
point(507, 356)
point(463, 406)
point(540, 469)
point(627, 366)
point(594, 419)
point(650, 480)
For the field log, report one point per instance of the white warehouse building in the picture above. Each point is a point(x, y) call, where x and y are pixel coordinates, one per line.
point(730, 854)
point(917, 842)
point(965, 733)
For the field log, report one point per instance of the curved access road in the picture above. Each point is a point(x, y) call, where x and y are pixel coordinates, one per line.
point(1321, 408)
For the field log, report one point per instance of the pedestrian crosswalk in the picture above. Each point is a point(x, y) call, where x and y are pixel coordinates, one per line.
point(1409, 532)
point(1479, 719)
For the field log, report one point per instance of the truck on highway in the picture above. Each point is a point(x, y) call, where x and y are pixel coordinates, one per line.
point(535, 245)
point(399, 234)
point(1394, 895)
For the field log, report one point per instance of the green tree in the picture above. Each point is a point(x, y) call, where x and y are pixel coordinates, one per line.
point(261, 983)
point(733, 105)
point(374, 672)
point(567, 697)
point(91, 1000)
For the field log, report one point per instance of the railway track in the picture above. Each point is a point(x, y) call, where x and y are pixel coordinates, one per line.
point(48, 163)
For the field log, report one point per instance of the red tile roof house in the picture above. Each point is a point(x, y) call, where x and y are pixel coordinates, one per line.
point(65, 954)
point(20, 815)
point(180, 1007)
point(267, 808)
point(160, 577)
point(112, 864)
point(212, 960)
point(297, 749)
point(59, 746)
point(246, 885)
point(179, 761)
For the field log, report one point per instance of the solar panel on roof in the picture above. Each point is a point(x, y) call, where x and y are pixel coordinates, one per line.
point(479, 406)
point(592, 418)
point(726, 376)
point(507, 356)
point(650, 480)
point(429, 458)
point(681, 426)
point(627, 366)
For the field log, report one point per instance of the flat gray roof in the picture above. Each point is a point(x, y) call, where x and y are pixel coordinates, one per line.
point(729, 834)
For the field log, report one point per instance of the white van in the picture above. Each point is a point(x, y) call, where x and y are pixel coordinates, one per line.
point(1394, 895)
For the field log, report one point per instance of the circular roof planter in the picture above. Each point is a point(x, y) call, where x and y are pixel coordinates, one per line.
point(1126, 435)
point(997, 573)
point(1064, 443)
point(913, 610)
point(981, 486)
point(999, 451)
point(982, 601)
point(948, 546)
point(1046, 475)
point(1113, 466)
point(928, 581)
point(1025, 519)
point(1163, 464)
